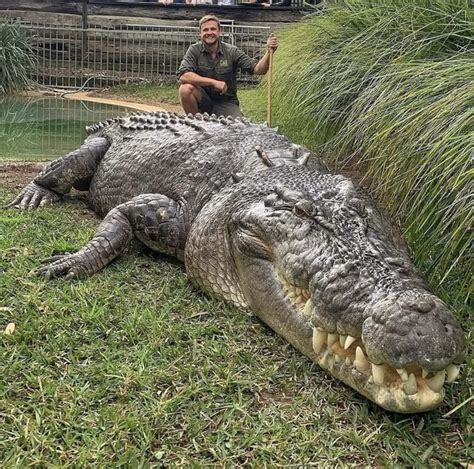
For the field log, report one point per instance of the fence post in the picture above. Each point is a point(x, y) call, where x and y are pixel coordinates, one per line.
point(85, 26)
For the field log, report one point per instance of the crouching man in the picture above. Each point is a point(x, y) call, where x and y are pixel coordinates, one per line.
point(208, 71)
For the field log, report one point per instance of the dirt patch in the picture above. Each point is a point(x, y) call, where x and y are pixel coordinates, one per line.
point(270, 398)
point(87, 96)
point(108, 97)
point(14, 176)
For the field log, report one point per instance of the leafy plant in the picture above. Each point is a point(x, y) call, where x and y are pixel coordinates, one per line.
point(16, 59)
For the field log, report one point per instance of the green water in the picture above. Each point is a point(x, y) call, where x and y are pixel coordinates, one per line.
point(39, 129)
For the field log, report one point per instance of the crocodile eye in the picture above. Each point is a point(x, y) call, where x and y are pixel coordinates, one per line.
point(304, 208)
point(358, 207)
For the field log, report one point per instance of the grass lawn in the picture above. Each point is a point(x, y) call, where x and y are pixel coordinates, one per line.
point(135, 367)
point(252, 98)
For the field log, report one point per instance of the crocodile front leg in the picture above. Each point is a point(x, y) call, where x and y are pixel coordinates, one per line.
point(154, 219)
point(60, 175)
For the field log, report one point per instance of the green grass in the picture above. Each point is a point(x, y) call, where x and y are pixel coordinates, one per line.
point(165, 92)
point(252, 98)
point(134, 366)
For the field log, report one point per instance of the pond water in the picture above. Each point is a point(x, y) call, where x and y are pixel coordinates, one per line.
point(39, 129)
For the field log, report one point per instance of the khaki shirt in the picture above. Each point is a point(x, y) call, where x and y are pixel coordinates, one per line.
point(228, 60)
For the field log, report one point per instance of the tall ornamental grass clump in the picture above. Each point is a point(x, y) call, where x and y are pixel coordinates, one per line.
point(389, 85)
point(16, 58)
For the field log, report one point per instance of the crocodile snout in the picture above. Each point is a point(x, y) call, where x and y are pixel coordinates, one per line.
point(409, 348)
point(412, 329)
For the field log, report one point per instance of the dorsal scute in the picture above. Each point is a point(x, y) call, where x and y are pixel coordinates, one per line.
point(90, 129)
point(159, 120)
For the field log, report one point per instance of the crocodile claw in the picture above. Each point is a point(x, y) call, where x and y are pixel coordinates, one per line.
point(33, 196)
point(61, 265)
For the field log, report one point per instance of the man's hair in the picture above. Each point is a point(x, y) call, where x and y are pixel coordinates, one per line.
point(207, 18)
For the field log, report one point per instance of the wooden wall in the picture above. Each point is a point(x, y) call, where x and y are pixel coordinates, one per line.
point(239, 13)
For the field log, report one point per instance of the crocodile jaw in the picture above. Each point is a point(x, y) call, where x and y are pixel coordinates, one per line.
point(392, 393)
point(405, 390)
point(411, 388)
point(290, 311)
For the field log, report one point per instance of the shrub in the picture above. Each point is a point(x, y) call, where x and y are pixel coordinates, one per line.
point(16, 58)
point(388, 85)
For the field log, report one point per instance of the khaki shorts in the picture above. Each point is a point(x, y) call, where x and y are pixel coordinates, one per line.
point(224, 107)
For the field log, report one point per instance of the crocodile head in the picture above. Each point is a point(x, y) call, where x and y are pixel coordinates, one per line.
point(324, 267)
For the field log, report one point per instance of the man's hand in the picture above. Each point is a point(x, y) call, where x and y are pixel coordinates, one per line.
point(220, 86)
point(272, 43)
point(262, 66)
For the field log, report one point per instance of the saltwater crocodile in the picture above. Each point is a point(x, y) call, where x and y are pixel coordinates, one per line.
point(306, 250)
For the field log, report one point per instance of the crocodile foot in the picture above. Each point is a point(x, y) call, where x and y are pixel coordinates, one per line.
point(64, 265)
point(32, 196)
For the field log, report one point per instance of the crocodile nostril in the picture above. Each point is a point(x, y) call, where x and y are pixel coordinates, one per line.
point(449, 329)
point(425, 306)
point(419, 334)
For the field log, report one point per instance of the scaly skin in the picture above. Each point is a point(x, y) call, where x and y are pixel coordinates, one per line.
point(305, 250)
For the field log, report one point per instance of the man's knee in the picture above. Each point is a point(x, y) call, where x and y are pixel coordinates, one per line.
point(186, 91)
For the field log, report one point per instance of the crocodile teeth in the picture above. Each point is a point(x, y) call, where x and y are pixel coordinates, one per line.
point(342, 340)
point(319, 339)
point(308, 308)
point(361, 363)
point(291, 294)
point(411, 386)
point(378, 372)
point(452, 372)
point(332, 339)
point(436, 383)
point(403, 374)
point(349, 341)
point(354, 356)
point(300, 300)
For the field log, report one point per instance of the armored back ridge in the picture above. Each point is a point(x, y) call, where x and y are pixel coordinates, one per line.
point(306, 250)
point(203, 152)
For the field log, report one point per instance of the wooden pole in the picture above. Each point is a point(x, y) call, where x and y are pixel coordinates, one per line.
point(269, 89)
point(85, 21)
point(85, 26)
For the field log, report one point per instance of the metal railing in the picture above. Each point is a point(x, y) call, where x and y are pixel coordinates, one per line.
point(72, 57)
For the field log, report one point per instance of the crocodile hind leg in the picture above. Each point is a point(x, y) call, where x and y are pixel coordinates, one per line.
point(154, 219)
point(60, 175)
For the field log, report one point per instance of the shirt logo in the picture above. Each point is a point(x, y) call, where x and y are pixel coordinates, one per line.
point(224, 63)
